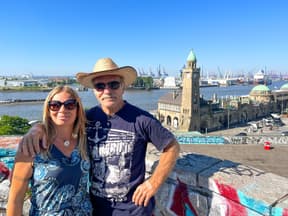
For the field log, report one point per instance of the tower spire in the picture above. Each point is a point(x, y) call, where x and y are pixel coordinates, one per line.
point(190, 104)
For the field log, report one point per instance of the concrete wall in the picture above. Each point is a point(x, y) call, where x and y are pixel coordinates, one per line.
point(198, 185)
point(8, 145)
point(202, 185)
point(185, 139)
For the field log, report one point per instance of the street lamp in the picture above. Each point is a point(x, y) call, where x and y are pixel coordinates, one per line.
point(282, 105)
point(228, 113)
point(228, 117)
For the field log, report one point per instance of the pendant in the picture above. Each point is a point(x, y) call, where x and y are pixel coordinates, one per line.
point(66, 143)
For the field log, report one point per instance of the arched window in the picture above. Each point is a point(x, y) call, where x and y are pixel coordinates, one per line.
point(175, 122)
point(168, 121)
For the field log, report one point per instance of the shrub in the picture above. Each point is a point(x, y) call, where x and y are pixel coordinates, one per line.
point(13, 125)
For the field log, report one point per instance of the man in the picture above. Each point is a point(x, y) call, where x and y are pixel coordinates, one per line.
point(117, 136)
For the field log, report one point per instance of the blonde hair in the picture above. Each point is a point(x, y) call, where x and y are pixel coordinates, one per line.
point(79, 124)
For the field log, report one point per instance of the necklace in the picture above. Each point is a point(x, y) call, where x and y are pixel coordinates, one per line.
point(66, 143)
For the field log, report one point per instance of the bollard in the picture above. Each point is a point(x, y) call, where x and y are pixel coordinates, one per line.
point(267, 145)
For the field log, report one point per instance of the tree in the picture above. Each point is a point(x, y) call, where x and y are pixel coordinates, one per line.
point(12, 125)
point(145, 82)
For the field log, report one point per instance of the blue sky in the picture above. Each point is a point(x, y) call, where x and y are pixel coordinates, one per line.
point(60, 37)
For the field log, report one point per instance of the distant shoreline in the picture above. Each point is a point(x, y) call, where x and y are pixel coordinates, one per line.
point(23, 89)
point(20, 101)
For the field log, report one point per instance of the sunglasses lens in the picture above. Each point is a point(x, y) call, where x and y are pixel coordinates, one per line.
point(114, 85)
point(100, 86)
point(54, 105)
point(70, 104)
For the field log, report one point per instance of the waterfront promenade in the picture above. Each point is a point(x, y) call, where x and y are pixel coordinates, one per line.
point(274, 160)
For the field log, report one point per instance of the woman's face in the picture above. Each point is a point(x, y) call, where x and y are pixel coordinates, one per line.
point(66, 114)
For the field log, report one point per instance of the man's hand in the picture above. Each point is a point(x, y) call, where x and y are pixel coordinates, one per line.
point(149, 188)
point(32, 141)
point(143, 193)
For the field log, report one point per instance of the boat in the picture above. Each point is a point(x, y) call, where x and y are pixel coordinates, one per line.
point(171, 82)
point(208, 83)
point(261, 78)
point(82, 88)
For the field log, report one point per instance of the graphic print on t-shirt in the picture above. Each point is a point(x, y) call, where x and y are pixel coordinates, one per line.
point(112, 157)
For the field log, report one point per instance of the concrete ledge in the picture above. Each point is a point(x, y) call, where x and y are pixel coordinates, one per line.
point(224, 139)
point(203, 185)
point(9, 141)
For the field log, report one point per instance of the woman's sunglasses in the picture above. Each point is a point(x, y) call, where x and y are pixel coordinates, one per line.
point(70, 104)
point(114, 85)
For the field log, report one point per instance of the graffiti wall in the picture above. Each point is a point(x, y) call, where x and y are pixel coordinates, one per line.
point(201, 185)
point(231, 139)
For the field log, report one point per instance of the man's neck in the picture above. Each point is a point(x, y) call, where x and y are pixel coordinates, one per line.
point(110, 111)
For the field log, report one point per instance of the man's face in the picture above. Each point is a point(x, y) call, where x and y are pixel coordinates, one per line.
point(109, 91)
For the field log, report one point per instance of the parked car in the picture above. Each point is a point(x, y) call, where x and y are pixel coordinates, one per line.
point(241, 134)
point(284, 133)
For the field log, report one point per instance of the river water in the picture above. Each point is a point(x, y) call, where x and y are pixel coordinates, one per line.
point(144, 99)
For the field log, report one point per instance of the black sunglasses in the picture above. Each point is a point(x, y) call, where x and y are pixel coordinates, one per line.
point(70, 104)
point(112, 85)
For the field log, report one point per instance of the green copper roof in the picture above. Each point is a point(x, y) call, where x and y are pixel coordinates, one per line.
point(191, 56)
point(284, 87)
point(260, 88)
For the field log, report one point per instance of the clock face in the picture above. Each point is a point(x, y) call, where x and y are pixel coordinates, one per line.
point(195, 75)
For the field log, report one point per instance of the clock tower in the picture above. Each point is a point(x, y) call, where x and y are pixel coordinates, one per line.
point(190, 104)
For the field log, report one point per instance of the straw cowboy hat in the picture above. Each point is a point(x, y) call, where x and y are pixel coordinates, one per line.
point(105, 67)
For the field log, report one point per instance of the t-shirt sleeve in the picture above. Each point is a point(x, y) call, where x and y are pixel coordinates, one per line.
point(159, 136)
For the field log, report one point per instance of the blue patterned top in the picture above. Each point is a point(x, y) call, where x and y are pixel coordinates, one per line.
point(60, 185)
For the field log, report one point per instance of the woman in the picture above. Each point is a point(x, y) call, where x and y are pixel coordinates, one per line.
point(59, 175)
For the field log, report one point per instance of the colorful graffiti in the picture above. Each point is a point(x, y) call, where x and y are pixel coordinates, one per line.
point(187, 139)
point(234, 198)
point(200, 140)
point(232, 203)
point(279, 212)
point(4, 172)
point(181, 204)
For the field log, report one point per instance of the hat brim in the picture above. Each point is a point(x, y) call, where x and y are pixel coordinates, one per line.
point(128, 74)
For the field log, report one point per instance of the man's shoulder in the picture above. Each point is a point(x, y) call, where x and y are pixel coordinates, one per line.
point(137, 110)
point(138, 115)
point(91, 112)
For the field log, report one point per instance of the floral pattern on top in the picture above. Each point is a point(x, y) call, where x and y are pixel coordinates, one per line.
point(59, 185)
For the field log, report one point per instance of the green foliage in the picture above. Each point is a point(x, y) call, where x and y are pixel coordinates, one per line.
point(67, 81)
point(145, 82)
point(12, 125)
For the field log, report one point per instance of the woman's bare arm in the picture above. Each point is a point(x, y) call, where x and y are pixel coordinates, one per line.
point(21, 174)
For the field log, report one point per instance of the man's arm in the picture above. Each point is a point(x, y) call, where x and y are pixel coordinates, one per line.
point(149, 188)
point(30, 143)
